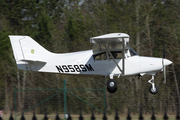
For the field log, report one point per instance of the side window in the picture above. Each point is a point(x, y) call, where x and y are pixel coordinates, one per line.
point(116, 54)
point(101, 56)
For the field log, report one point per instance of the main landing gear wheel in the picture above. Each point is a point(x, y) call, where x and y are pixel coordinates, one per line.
point(155, 90)
point(111, 86)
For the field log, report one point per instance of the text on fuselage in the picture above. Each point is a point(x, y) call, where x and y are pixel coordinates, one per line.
point(74, 68)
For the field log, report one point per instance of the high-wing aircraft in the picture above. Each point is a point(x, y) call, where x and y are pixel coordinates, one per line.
point(110, 57)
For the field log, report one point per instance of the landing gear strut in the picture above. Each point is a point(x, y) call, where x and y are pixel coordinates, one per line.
point(111, 86)
point(153, 89)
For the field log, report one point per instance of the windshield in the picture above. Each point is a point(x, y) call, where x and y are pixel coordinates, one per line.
point(132, 52)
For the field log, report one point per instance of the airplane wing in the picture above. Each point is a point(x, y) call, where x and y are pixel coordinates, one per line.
point(112, 42)
point(117, 37)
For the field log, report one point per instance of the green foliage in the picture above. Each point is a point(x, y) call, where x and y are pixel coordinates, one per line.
point(75, 29)
point(44, 28)
point(5, 44)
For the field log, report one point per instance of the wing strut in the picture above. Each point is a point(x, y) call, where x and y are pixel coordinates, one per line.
point(123, 51)
point(107, 49)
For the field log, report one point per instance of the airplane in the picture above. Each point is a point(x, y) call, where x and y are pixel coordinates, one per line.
point(110, 57)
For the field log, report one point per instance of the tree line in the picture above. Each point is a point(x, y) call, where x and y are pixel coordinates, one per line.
point(63, 26)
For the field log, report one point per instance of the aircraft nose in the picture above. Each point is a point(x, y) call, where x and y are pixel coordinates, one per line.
point(167, 62)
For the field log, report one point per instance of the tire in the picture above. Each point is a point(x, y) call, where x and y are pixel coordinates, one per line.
point(112, 90)
point(111, 85)
point(152, 91)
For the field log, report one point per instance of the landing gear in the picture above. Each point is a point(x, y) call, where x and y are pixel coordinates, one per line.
point(153, 89)
point(111, 86)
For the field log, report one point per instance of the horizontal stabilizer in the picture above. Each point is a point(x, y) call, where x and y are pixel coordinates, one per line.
point(30, 61)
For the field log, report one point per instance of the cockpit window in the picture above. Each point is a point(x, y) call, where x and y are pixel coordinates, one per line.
point(100, 56)
point(132, 52)
point(116, 54)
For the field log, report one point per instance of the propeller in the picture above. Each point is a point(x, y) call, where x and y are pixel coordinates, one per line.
point(163, 62)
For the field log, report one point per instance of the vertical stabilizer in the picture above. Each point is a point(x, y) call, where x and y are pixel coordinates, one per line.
point(27, 51)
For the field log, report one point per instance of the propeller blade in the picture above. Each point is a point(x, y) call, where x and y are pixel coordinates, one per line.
point(164, 53)
point(164, 67)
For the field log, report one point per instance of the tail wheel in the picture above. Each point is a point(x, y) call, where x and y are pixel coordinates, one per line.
point(153, 91)
point(111, 86)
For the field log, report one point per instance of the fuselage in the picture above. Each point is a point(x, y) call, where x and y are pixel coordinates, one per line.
point(83, 63)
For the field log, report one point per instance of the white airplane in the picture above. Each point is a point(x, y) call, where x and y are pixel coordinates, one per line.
point(111, 57)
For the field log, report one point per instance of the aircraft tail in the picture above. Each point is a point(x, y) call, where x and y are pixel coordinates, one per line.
point(27, 51)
